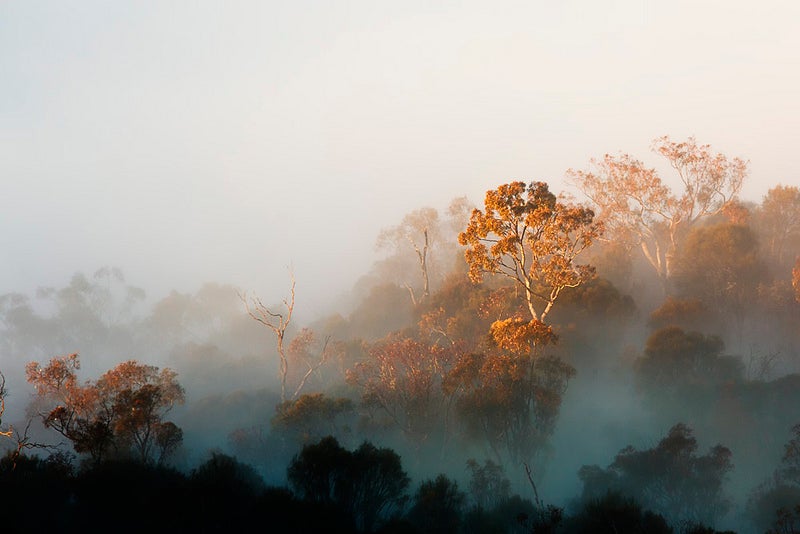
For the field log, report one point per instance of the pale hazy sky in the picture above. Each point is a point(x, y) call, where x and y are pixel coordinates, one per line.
point(225, 141)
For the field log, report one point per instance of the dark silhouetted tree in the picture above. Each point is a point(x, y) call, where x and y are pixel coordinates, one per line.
point(775, 503)
point(614, 513)
point(368, 483)
point(438, 506)
point(670, 479)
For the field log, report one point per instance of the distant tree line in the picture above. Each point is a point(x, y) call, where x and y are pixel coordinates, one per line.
point(460, 349)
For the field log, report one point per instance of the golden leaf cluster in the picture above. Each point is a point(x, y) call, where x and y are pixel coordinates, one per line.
point(520, 336)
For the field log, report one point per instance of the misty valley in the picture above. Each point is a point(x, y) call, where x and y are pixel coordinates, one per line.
point(526, 362)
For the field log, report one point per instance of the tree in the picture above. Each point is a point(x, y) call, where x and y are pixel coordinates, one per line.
point(775, 501)
point(438, 506)
point(670, 479)
point(368, 483)
point(425, 233)
point(510, 401)
point(488, 484)
point(638, 208)
point(311, 417)
point(613, 513)
point(213, 314)
point(402, 377)
point(524, 233)
point(307, 355)
point(27, 481)
point(97, 312)
point(722, 266)
point(224, 492)
point(279, 323)
point(686, 313)
point(377, 486)
point(93, 312)
point(778, 221)
point(420, 230)
point(122, 413)
point(796, 279)
point(675, 360)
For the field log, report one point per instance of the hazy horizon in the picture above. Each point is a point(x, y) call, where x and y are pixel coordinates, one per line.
point(229, 142)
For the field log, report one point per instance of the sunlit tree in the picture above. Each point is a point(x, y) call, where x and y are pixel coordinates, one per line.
point(122, 413)
point(278, 322)
point(306, 356)
point(507, 391)
point(640, 209)
point(525, 234)
point(300, 359)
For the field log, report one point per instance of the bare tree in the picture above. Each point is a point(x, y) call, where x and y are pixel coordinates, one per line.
point(278, 322)
point(419, 229)
point(639, 209)
point(301, 346)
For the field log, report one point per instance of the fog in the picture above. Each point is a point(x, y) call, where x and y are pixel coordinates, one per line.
point(195, 143)
point(162, 165)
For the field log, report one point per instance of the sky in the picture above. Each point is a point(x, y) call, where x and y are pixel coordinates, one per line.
point(236, 142)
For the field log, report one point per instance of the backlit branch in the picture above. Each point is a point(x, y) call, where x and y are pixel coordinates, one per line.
point(278, 323)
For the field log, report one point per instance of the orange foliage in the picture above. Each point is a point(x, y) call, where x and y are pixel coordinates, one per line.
point(403, 377)
point(519, 336)
point(122, 412)
point(796, 279)
point(525, 234)
point(638, 207)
